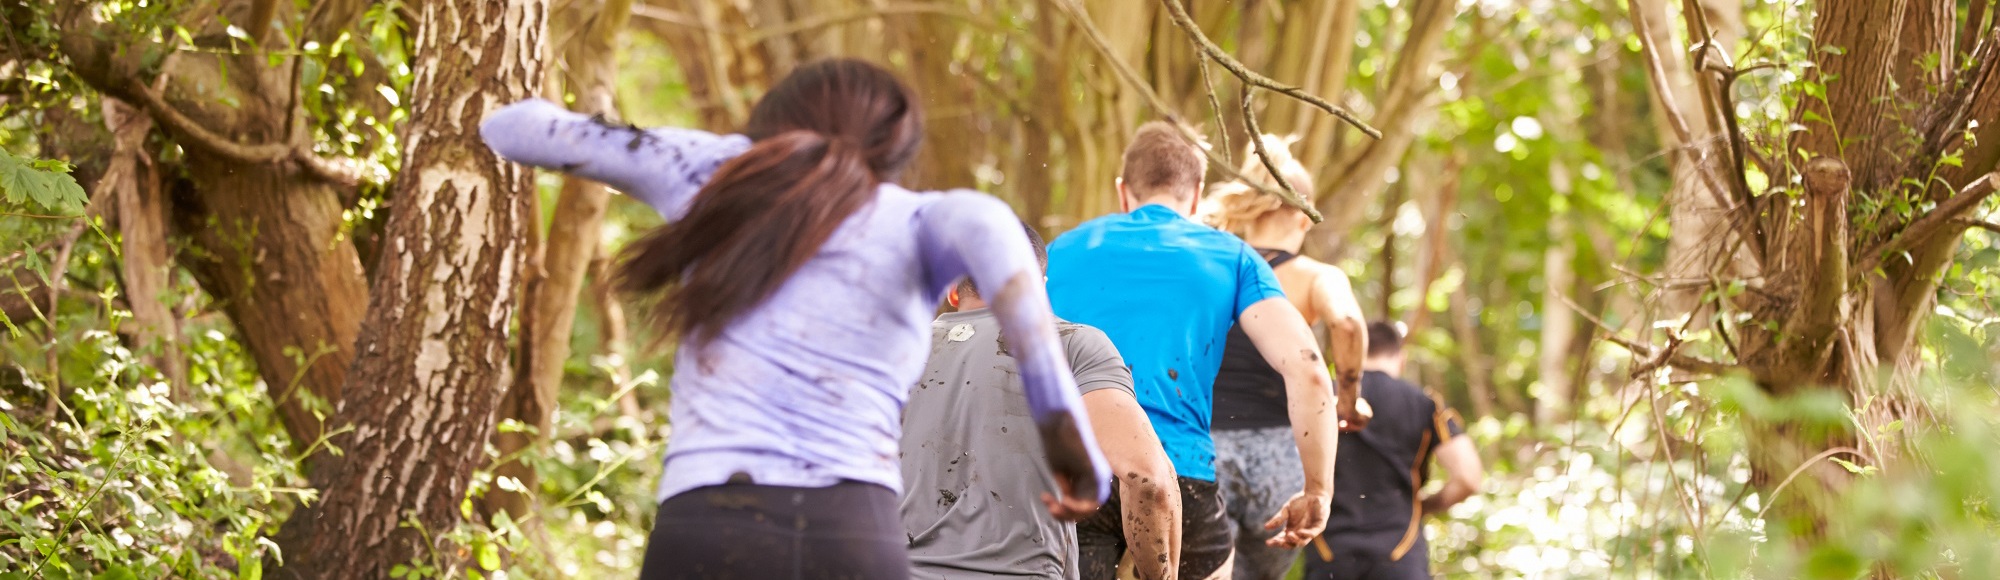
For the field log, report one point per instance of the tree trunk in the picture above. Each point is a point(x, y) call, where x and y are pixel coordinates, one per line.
point(1833, 302)
point(549, 297)
point(270, 249)
point(432, 360)
point(265, 232)
point(145, 268)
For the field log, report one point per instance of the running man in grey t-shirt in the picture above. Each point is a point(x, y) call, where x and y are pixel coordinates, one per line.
point(972, 462)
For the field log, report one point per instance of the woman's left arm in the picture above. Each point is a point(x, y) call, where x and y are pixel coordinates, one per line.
point(664, 167)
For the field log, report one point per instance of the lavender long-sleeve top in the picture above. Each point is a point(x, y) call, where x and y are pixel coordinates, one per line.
point(807, 388)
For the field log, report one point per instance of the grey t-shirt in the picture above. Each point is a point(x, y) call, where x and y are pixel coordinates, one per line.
point(973, 467)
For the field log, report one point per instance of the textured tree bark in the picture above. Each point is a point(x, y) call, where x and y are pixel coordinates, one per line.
point(431, 362)
point(1856, 44)
point(549, 296)
point(145, 267)
point(1848, 303)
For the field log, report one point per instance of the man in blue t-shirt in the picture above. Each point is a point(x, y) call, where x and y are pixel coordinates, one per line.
point(1166, 290)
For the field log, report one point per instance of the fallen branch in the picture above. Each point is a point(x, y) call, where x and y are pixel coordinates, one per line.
point(1250, 77)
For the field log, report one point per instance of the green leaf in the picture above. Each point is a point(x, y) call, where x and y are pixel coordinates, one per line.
point(1851, 467)
point(47, 183)
point(1893, 427)
point(489, 556)
point(116, 572)
point(399, 571)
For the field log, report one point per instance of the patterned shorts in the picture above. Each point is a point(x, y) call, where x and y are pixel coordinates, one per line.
point(1258, 470)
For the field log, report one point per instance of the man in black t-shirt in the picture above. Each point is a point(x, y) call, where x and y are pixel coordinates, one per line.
point(1375, 531)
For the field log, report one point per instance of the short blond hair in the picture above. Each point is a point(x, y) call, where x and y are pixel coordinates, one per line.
point(1234, 206)
point(1162, 160)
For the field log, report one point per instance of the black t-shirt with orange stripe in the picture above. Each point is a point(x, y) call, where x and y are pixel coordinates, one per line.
point(1380, 468)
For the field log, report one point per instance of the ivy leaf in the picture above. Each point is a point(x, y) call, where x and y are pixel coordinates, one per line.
point(47, 183)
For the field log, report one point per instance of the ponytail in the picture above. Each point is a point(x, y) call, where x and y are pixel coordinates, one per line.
point(756, 223)
point(825, 136)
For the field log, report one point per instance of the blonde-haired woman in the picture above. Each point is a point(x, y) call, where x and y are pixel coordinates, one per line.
point(1257, 465)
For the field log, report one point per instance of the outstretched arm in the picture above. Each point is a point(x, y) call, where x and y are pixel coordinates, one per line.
point(1281, 334)
point(969, 234)
point(1347, 339)
point(663, 167)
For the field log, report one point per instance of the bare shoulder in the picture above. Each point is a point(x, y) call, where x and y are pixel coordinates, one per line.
point(1319, 269)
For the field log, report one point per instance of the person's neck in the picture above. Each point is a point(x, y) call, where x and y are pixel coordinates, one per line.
point(1287, 239)
point(1166, 201)
point(970, 303)
point(1384, 366)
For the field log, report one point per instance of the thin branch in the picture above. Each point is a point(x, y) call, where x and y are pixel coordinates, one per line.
point(40, 216)
point(193, 133)
point(1692, 153)
point(667, 16)
point(1291, 196)
point(1250, 77)
point(200, 136)
point(1823, 455)
point(1940, 219)
point(932, 9)
point(1215, 105)
point(1160, 106)
point(1671, 356)
point(1981, 224)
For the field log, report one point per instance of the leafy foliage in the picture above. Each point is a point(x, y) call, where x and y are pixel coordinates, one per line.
point(44, 182)
point(108, 469)
point(113, 473)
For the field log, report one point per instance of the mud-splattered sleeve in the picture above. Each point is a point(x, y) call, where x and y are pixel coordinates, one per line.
point(663, 167)
point(963, 233)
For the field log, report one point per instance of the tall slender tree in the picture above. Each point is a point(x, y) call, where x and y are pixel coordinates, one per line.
point(432, 358)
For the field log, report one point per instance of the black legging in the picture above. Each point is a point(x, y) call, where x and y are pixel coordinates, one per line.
point(725, 532)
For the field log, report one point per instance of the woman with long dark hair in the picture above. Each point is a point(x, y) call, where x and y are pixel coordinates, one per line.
point(801, 281)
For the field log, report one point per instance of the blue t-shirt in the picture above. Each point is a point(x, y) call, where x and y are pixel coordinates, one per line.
point(1166, 290)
